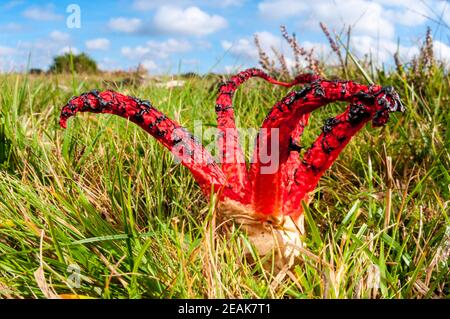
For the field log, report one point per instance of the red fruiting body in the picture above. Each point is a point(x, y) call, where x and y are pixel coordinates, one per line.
point(280, 191)
point(234, 166)
point(169, 133)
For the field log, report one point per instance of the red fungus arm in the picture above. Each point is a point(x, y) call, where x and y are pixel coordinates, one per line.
point(336, 134)
point(293, 161)
point(285, 116)
point(233, 161)
point(169, 133)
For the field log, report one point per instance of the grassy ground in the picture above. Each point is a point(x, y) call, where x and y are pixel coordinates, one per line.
point(103, 198)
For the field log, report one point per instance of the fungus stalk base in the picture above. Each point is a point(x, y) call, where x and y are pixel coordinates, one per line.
point(277, 236)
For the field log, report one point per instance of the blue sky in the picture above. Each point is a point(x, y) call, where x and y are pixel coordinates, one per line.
point(216, 35)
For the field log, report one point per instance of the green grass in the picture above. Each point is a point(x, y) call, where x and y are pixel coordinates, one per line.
point(107, 198)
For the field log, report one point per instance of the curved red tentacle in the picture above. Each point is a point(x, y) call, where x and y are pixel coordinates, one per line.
point(233, 161)
point(293, 161)
point(336, 134)
point(169, 133)
point(267, 195)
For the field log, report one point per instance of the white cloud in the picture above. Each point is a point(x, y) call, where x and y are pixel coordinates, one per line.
point(441, 50)
point(443, 9)
point(385, 50)
point(135, 53)
point(373, 22)
point(228, 3)
point(231, 69)
point(241, 48)
point(165, 48)
point(381, 51)
point(281, 9)
point(149, 65)
point(46, 13)
point(393, 2)
point(42, 50)
point(108, 64)
point(68, 49)
point(156, 49)
point(376, 18)
point(321, 50)
point(413, 13)
point(98, 44)
point(160, 51)
point(170, 20)
point(126, 25)
point(9, 65)
point(408, 18)
point(58, 36)
point(145, 5)
point(245, 47)
point(365, 17)
point(7, 51)
point(409, 12)
point(153, 4)
point(189, 21)
point(195, 62)
point(11, 27)
point(12, 4)
point(203, 45)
